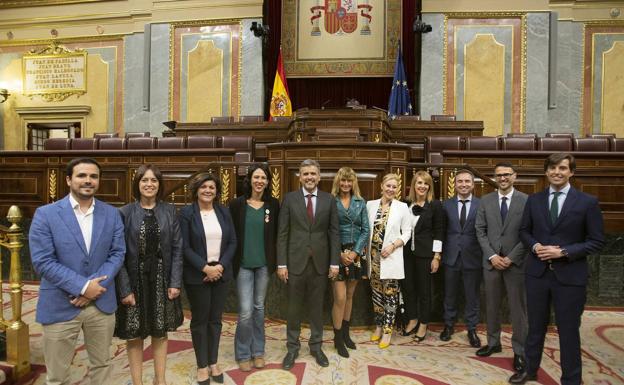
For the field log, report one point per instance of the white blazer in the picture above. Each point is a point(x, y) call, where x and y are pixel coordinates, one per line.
point(399, 225)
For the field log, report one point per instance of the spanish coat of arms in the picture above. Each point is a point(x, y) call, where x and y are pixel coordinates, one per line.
point(341, 16)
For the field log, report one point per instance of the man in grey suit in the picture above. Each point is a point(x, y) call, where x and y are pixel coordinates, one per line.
point(498, 230)
point(308, 251)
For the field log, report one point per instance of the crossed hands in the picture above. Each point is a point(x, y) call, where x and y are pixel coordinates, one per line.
point(500, 263)
point(546, 253)
point(93, 292)
point(213, 273)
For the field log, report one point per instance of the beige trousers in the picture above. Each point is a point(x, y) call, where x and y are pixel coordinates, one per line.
point(59, 344)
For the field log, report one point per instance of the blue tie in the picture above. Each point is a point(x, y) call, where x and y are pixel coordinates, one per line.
point(504, 209)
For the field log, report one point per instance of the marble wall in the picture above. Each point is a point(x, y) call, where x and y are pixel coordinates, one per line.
point(565, 117)
point(136, 119)
point(124, 109)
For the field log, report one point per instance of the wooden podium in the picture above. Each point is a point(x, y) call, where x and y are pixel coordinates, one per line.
point(351, 125)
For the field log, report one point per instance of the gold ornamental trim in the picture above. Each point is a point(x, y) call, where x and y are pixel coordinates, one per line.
point(39, 3)
point(445, 65)
point(450, 184)
point(52, 182)
point(225, 185)
point(201, 23)
point(55, 65)
point(483, 15)
point(76, 39)
point(400, 184)
point(523, 56)
point(275, 183)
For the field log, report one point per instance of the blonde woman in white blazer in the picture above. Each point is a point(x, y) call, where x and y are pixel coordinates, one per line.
point(390, 228)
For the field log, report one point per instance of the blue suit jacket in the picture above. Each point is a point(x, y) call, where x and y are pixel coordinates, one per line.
point(194, 239)
point(59, 255)
point(578, 229)
point(458, 239)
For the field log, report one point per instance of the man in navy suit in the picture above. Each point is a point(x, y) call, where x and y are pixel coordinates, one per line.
point(77, 247)
point(561, 226)
point(461, 256)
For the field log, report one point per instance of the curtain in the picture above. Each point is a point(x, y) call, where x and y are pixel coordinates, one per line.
point(334, 92)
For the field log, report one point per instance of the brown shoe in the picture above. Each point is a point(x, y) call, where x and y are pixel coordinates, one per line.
point(245, 366)
point(259, 362)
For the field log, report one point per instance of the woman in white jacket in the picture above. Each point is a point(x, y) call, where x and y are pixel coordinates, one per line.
point(390, 228)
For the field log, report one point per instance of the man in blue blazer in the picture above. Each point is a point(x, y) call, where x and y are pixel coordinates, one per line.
point(461, 256)
point(77, 247)
point(561, 226)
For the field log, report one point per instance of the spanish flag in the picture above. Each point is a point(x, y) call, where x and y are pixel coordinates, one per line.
point(280, 101)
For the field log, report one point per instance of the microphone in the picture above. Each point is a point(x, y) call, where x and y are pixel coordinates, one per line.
point(325, 103)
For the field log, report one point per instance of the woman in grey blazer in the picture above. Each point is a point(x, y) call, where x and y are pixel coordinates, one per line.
point(149, 282)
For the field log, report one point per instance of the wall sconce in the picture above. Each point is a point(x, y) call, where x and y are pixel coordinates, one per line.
point(259, 30)
point(4, 93)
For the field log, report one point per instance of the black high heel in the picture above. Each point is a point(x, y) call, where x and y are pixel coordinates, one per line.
point(405, 333)
point(418, 338)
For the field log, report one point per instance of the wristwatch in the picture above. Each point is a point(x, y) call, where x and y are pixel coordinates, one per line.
point(564, 252)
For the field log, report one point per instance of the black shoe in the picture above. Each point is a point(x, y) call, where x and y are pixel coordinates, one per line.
point(475, 342)
point(218, 378)
point(418, 338)
point(446, 333)
point(204, 382)
point(488, 350)
point(522, 377)
point(519, 363)
point(345, 335)
point(339, 343)
point(412, 331)
point(289, 360)
point(320, 357)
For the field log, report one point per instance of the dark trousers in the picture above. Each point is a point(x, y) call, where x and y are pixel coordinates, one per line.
point(453, 276)
point(207, 301)
point(568, 302)
point(305, 291)
point(416, 288)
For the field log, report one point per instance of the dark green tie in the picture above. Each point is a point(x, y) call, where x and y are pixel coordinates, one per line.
point(554, 207)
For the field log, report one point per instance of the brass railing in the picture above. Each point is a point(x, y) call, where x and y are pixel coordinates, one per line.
point(17, 338)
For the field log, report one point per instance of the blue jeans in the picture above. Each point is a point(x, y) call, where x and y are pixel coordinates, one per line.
point(251, 286)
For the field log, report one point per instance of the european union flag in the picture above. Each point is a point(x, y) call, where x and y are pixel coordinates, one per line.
point(400, 103)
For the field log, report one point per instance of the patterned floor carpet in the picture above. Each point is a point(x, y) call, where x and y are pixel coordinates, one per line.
point(431, 362)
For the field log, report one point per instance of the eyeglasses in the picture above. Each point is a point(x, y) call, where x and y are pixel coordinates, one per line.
point(506, 175)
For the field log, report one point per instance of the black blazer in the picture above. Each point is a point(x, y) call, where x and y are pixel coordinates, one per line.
point(170, 245)
point(430, 227)
point(238, 209)
point(579, 229)
point(194, 238)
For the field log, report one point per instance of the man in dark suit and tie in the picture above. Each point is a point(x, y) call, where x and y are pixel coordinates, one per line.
point(461, 256)
point(561, 226)
point(308, 250)
point(77, 246)
point(498, 230)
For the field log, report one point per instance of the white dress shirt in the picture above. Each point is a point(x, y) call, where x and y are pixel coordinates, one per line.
point(500, 204)
point(459, 205)
point(213, 233)
point(85, 221)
